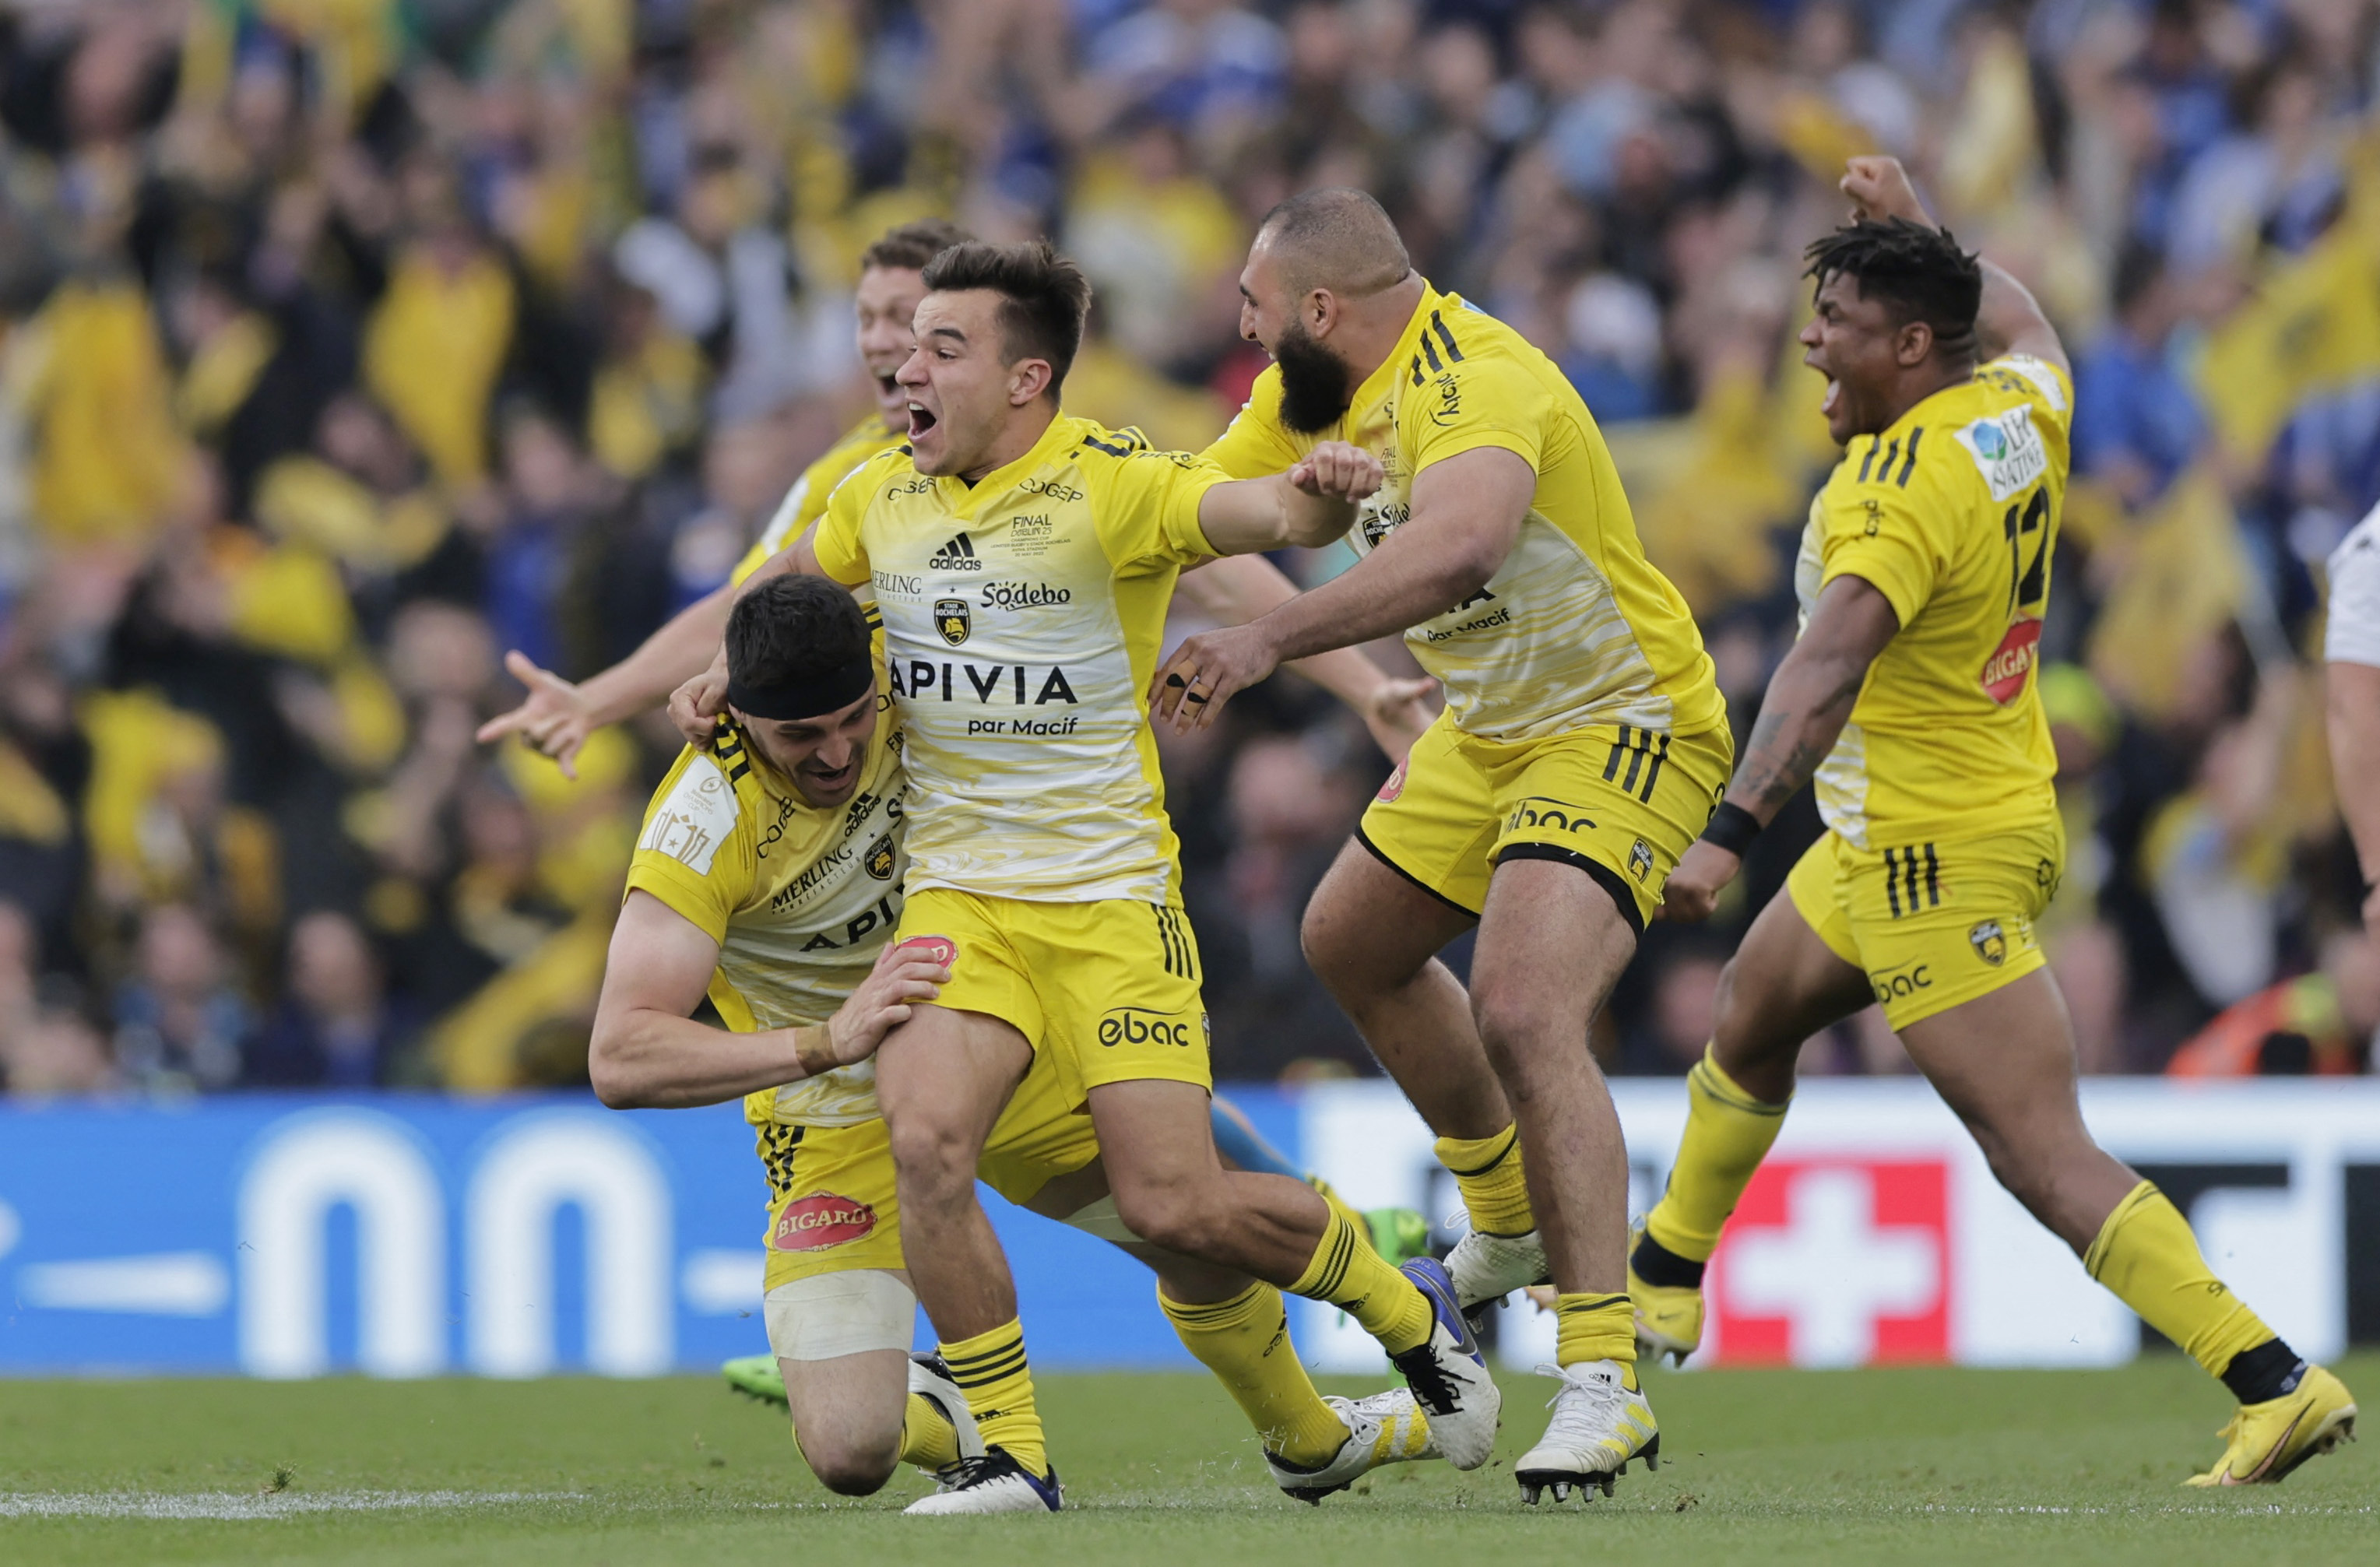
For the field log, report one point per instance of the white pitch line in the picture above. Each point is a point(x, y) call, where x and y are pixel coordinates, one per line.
point(251, 1505)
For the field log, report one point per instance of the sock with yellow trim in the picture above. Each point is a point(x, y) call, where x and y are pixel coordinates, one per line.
point(2146, 1254)
point(1728, 1133)
point(1348, 1273)
point(1244, 1342)
point(1488, 1172)
point(928, 1439)
point(991, 1369)
point(1591, 1327)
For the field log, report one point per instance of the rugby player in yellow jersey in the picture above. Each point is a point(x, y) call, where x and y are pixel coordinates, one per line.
point(1913, 701)
point(1583, 745)
point(1038, 832)
point(557, 715)
point(769, 873)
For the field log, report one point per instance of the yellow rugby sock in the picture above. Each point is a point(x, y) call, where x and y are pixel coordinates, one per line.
point(2146, 1254)
point(1348, 1273)
point(927, 1440)
point(991, 1369)
point(1591, 1327)
point(1728, 1133)
point(1244, 1342)
point(1488, 1172)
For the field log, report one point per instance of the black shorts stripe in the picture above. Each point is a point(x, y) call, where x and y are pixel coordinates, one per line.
point(1623, 897)
point(1619, 748)
point(1909, 867)
point(1636, 753)
point(1381, 854)
point(1933, 887)
point(1892, 881)
point(1653, 774)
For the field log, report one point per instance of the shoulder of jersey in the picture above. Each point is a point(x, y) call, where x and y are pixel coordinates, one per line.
point(1128, 445)
point(694, 811)
point(892, 460)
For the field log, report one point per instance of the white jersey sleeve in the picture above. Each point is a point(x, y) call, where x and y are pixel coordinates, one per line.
point(2355, 631)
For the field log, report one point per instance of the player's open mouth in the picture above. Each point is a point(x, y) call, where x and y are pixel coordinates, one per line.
point(1834, 394)
point(829, 778)
point(921, 419)
point(886, 387)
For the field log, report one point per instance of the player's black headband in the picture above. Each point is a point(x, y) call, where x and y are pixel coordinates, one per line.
point(828, 691)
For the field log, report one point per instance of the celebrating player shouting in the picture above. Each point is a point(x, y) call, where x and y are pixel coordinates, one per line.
point(1583, 744)
point(770, 874)
point(1911, 700)
point(1039, 837)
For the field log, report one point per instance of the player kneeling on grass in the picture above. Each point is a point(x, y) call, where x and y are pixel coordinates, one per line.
point(769, 874)
point(1912, 700)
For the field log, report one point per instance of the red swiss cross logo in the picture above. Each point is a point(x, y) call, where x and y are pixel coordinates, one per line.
point(1836, 1262)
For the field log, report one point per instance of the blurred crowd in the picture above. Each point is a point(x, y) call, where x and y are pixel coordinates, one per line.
point(346, 345)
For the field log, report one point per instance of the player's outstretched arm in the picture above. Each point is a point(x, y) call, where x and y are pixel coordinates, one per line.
point(2010, 320)
point(1239, 589)
point(646, 1053)
point(557, 715)
point(1810, 697)
point(1307, 506)
point(1468, 512)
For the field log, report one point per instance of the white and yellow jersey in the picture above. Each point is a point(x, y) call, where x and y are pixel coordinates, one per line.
point(1951, 513)
point(806, 500)
point(800, 898)
point(1577, 628)
point(1023, 618)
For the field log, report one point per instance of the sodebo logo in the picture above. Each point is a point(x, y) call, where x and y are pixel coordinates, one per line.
point(1131, 1025)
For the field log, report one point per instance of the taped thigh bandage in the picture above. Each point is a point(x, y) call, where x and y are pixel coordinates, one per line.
point(828, 1315)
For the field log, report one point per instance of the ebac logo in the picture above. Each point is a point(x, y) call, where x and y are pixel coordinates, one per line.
point(1137, 1025)
point(1836, 1262)
point(819, 1221)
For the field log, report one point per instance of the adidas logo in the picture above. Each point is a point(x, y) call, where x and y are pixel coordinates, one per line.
point(956, 555)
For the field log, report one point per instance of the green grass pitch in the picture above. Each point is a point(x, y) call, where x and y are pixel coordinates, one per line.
point(1764, 1466)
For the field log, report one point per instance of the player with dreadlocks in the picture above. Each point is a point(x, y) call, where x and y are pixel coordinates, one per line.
point(1912, 699)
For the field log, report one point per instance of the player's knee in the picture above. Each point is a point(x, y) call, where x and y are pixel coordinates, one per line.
point(1510, 1021)
point(933, 1151)
point(850, 1468)
point(1167, 1214)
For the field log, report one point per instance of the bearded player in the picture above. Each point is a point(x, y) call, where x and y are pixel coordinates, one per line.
point(769, 875)
point(1583, 744)
point(1912, 700)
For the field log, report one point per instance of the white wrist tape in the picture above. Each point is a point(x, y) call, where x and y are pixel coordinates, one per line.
point(828, 1315)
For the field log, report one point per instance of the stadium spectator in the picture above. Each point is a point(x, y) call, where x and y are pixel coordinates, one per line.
point(328, 347)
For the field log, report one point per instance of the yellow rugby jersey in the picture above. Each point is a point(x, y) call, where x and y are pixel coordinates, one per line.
point(800, 898)
point(1023, 618)
point(1576, 628)
point(1951, 513)
point(805, 502)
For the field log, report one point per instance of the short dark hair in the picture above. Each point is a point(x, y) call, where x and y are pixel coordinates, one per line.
point(909, 247)
point(792, 629)
point(1044, 297)
point(1919, 273)
point(1337, 238)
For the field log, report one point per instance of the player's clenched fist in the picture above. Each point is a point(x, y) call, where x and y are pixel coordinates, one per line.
point(695, 706)
point(1692, 892)
point(1880, 189)
point(1338, 471)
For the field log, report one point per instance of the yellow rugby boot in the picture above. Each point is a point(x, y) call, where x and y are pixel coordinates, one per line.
point(1669, 1314)
point(2265, 1441)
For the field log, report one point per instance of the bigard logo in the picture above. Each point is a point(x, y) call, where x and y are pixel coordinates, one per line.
point(820, 1220)
point(950, 619)
point(956, 555)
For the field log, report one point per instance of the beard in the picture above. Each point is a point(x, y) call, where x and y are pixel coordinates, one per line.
point(1314, 391)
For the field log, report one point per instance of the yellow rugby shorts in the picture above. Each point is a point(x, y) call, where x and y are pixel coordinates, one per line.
point(1619, 802)
point(1108, 990)
point(1936, 923)
point(832, 1201)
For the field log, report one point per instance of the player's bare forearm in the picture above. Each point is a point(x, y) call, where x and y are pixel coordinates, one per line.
point(1236, 590)
point(1811, 695)
point(643, 1057)
point(1382, 595)
point(2352, 699)
point(679, 650)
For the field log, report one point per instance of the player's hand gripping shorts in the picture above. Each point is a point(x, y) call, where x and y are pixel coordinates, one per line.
point(833, 1205)
point(1619, 802)
point(1106, 991)
point(1936, 923)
